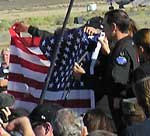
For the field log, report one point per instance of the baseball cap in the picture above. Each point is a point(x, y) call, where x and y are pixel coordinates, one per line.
point(44, 113)
point(96, 22)
point(142, 72)
point(6, 100)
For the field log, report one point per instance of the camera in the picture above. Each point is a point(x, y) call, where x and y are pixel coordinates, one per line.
point(3, 116)
point(4, 73)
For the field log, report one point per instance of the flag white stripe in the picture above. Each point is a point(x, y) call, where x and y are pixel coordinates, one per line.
point(50, 95)
point(29, 57)
point(18, 69)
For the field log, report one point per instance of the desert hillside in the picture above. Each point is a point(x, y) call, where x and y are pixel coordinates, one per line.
point(22, 10)
point(46, 14)
point(27, 4)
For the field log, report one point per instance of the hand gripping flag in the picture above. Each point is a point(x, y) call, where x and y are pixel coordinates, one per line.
point(28, 69)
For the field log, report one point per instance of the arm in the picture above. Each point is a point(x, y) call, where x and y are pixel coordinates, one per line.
point(105, 46)
point(23, 124)
point(3, 132)
point(103, 40)
point(34, 31)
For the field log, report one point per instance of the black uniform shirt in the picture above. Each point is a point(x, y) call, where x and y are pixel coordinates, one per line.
point(121, 62)
point(34, 31)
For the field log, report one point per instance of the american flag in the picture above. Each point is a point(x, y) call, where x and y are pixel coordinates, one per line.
point(74, 44)
point(28, 69)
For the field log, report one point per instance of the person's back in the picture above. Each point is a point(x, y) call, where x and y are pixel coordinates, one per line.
point(139, 129)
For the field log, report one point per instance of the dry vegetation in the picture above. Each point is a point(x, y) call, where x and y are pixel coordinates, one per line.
point(49, 14)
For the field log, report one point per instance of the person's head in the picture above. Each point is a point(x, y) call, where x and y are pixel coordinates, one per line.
point(5, 53)
point(42, 118)
point(116, 24)
point(96, 22)
point(96, 119)
point(132, 27)
point(132, 112)
point(141, 87)
point(142, 42)
point(101, 133)
point(68, 123)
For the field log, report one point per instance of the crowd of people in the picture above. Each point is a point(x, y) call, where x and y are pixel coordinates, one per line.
point(121, 72)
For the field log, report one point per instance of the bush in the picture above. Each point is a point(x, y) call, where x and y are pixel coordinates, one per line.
point(4, 25)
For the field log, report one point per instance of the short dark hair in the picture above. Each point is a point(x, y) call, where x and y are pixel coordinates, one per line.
point(120, 18)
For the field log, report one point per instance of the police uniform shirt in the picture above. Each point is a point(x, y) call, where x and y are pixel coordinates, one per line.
point(120, 61)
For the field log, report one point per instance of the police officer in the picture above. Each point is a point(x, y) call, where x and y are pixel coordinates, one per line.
point(121, 61)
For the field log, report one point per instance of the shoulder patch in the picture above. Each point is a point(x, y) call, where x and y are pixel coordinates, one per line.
point(121, 60)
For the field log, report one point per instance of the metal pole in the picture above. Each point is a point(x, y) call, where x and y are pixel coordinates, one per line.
point(51, 68)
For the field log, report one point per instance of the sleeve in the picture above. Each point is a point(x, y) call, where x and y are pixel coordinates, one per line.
point(121, 68)
point(88, 80)
point(117, 74)
point(34, 31)
point(91, 82)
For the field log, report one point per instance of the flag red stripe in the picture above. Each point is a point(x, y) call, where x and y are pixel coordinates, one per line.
point(77, 103)
point(14, 42)
point(29, 81)
point(24, 63)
